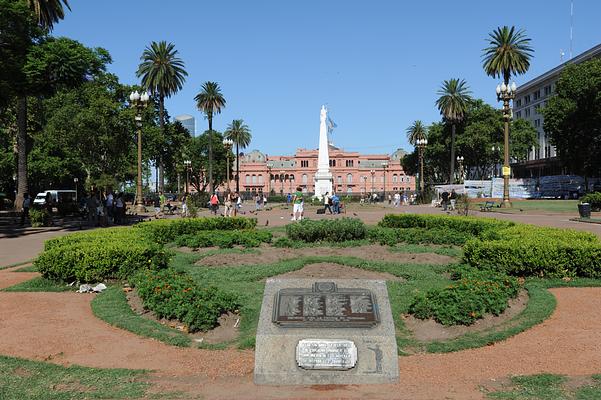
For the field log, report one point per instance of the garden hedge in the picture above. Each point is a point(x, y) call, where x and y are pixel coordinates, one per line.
point(175, 295)
point(336, 230)
point(468, 225)
point(167, 230)
point(224, 239)
point(392, 236)
point(473, 294)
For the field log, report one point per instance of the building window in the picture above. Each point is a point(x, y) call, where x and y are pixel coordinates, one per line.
point(254, 179)
point(304, 163)
point(332, 163)
point(518, 103)
point(349, 190)
point(527, 112)
point(527, 99)
point(394, 178)
point(304, 178)
point(537, 95)
point(247, 179)
point(547, 90)
point(349, 163)
point(382, 179)
point(537, 123)
point(339, 180)
point(518, 114)
point(349, 178)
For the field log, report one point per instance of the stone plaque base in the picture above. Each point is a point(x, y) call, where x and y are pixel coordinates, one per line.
point(276, 346)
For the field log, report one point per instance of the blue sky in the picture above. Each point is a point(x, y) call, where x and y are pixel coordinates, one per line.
point(377, 64)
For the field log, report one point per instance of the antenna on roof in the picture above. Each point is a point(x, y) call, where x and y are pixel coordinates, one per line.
point(571, 26)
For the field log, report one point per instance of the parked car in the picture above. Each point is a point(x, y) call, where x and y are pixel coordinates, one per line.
point(64, 200)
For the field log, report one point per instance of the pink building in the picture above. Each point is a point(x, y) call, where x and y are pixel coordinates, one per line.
point(353, 173)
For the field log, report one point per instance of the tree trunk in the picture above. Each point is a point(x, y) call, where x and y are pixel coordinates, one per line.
point(162, 126)
point(22, 185)
point(452, 172)
point(210, 118)
point(237, 169)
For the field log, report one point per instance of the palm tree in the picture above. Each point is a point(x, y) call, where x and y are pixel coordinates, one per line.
point(239, 133)
point(416, 131)
point(452, 104)
point(210, 101)
point(47, 13)
point(509, 53)
point(163, 74)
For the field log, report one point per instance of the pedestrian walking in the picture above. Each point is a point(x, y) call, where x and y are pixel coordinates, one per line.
point(297, 211)
point(214, 202)
point(185, 205)
point(327, 203)
point(25, 208)
point(453, 198)
point(228, 204)
point(445, 200)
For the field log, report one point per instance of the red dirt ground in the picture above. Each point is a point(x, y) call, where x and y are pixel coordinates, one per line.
point(60, 328)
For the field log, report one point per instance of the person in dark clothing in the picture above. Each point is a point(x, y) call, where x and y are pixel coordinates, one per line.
point(445, 200)
point(453, 198)
point(26, 205)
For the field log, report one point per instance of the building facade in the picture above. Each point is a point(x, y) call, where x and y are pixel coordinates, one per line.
point(530, 98)
point(353, 173)
point(188, 122)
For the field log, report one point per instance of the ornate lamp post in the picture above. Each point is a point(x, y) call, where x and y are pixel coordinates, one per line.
point(282, 182)
point(460, 162)
point(139, 102)
point(75, 180)
point(421, 146)
point(384, 166)
point(188, 165)
point(506, 93)
point(373, 176)
point(228, 143)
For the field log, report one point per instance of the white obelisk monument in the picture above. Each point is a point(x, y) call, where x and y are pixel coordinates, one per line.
point(323, 177)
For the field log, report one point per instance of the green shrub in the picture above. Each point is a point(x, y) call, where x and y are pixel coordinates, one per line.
point(167, 230)
point(96, 261)
point(284, 242)
point(117, 234)
point(175, 295)
point(469, 225)
point(470, 297)
point(594, 199)
point(392, 236)
point(39, 217)
point(224, 239)
point(334, 230)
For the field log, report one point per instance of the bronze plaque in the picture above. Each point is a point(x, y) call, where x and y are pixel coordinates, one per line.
point(325, 305)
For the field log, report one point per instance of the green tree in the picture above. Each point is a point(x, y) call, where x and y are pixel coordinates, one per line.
point(210, 101)
point(416, 131)
point(198, 154)
point(240, 134)
point(452, 104)
point(163, 74)
point(46, 13)
point(573, 118)
point(508, 53)
point(523, 138)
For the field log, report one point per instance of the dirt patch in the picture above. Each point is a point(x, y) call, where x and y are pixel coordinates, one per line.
point(10, 277)
point(226, 330)
point(270, 255)
point(430, 330)
point(337, 271)
point(190, 250)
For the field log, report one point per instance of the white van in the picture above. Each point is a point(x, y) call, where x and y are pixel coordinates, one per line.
point(58, 197)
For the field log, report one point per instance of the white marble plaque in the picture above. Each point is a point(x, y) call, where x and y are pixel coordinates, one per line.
point(329, 354)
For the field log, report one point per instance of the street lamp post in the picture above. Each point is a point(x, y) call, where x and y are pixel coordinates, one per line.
point(187, 164)
point(373, 176)
point(421, 146)
point(506, 93)
point(75, 180)
point(139, 102)
point(460, 162)
point(228, 143)
point(282, 182)
point(384, 166)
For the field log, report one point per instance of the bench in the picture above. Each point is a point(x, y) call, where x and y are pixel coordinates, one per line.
point(487, 206)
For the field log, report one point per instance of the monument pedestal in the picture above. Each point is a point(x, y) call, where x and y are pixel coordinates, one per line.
point(325, 332)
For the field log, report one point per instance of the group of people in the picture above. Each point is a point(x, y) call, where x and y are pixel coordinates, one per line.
point(448, 200)
point(104, 208)
point(331, 203)
point(232, 202)
point(400, 199)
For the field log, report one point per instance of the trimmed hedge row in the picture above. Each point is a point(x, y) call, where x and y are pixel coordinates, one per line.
point(392, 236)
point(99, 235)
point(468, 225)
point(93, 261)
point(224, 239)
point(469, 298)
point(337, 230)
point(175, 295)
point(165, 231)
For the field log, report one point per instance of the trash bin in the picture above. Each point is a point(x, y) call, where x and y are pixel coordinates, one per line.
point(584, 210)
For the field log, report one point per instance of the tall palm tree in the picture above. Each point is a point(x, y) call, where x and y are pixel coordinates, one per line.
point(452, 104)
point(210, 101)
point(416, 131)
point(239, 133)
point(47, 13)
point(508, 54)
point(163, 74)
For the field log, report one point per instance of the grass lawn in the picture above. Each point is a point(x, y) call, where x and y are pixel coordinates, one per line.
point(534, 206)
point(23, 379)
point(549, 387)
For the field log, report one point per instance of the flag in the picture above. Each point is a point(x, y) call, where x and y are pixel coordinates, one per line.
point(331, 125)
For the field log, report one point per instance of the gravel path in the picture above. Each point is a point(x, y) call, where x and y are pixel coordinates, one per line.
point(60, 327)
